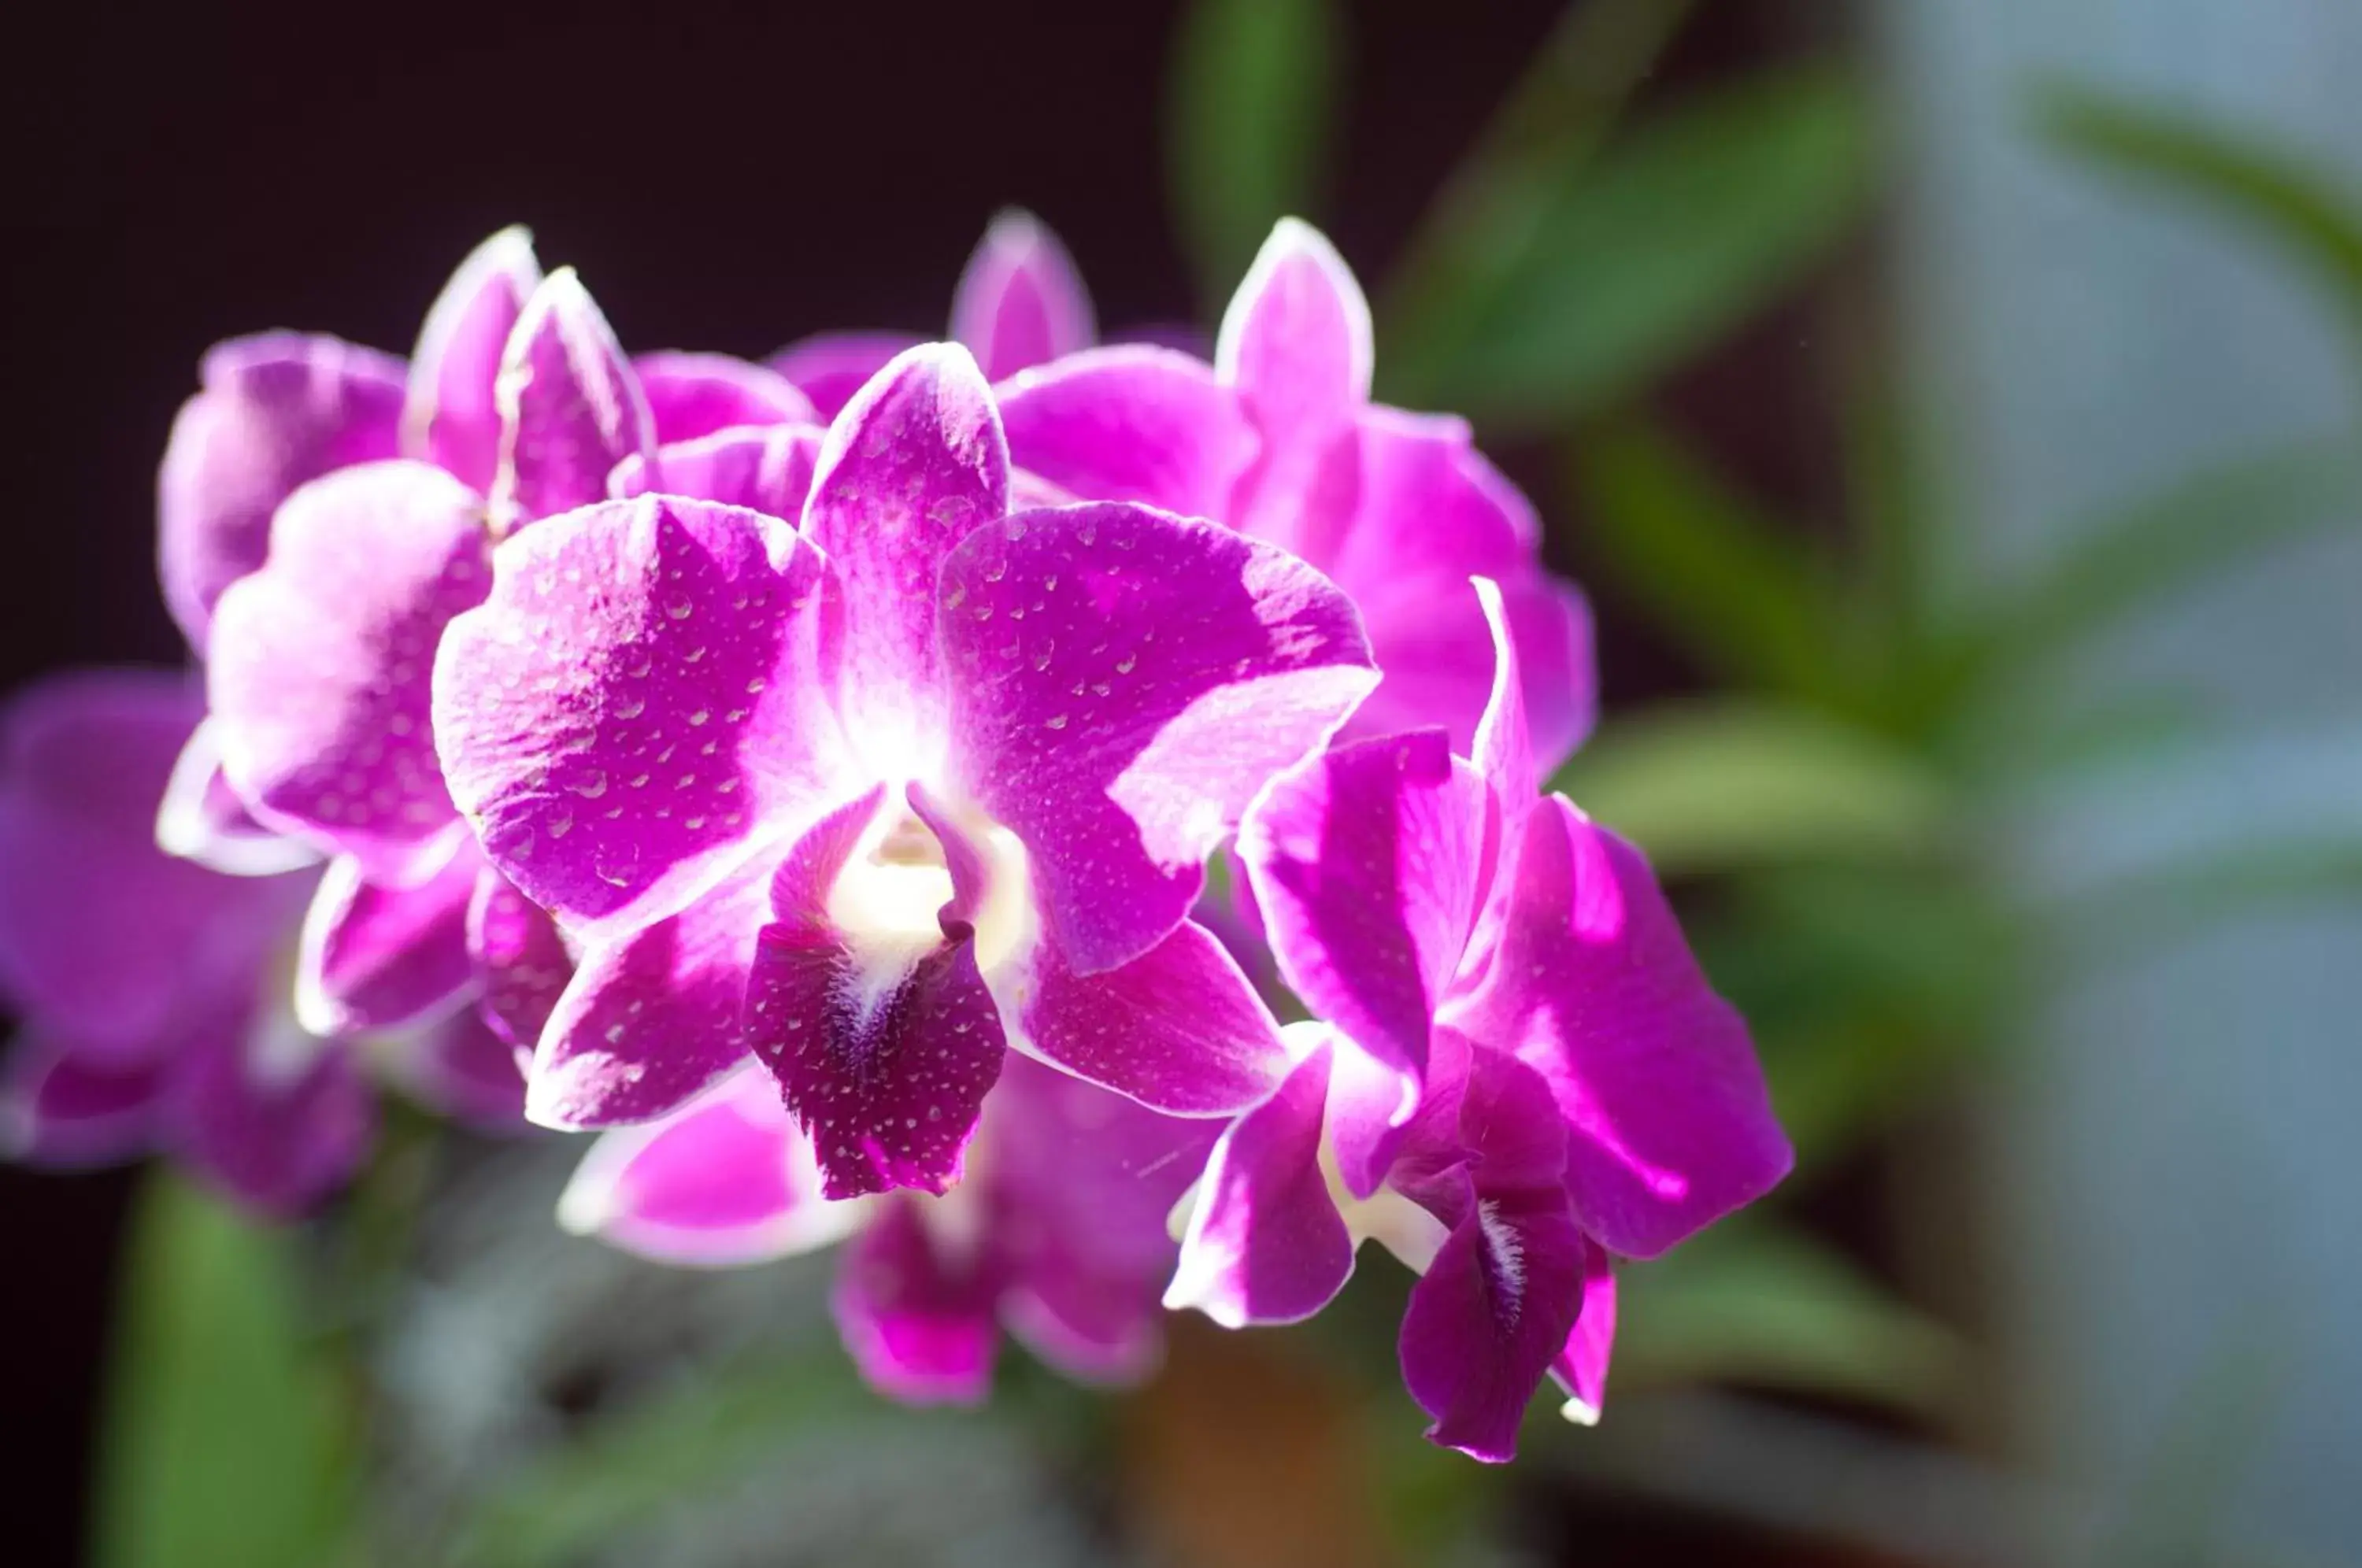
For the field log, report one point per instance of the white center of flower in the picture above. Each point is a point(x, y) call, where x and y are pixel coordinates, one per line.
point(886, 903)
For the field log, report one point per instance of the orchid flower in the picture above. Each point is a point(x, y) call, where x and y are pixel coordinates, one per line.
point(1521, 1073)
point(321, 645)
point(1058, 1231)
point(1020, 303)
point(154, 991)
point(1278, 438)
point(877, 795)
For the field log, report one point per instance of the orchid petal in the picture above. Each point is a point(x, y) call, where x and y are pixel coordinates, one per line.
point(64, 1113)
point(1594, 988)
point(1130, 423)
point(319, 673)
point(912, 465)
point(449, 416)
point(639, 705)
point(828, 367)
point(377, 955)
point(273, 1118)
point(1582, 1366)
point(1365, 862)
point(691, 395)
point(725, 1180)
point(459, 1067)
point(521, 960)
point(651, 1018)
point(767, 471)
point(277, 410)
point(1124, 682)
point(202, 819)
point(570, 407)
point(1178, 1029)
point(916, 1318)
point(1266, 1244)
point(1020, 302)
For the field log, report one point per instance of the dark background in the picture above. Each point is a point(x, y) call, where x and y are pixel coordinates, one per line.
point(723, 179)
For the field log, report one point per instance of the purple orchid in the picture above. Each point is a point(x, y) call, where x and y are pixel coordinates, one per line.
point(334, 546)
point(877, 794)
point(1020, 303)
point(1057, 1232)
point(1278, 438)
point(1522, 1070)
point(153, 990)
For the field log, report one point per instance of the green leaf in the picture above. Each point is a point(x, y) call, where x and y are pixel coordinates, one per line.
point(2299, 208)
point(1733, 586)
point(1751, 1303)
point(1645, 254)
point(1248, 125)
point(225, 1440)
point(1712, 786)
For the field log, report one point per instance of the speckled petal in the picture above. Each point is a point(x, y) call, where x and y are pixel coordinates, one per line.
point(1178, 1029)
point(724, 1181)
point(450, 417)
point(321, 660)
point(916, 1315)
point(1020, 300)
point(1266, 1244)
point(278, 409)
point(570, 407)
point(913, 464)
point(379, 955)
point(830, 366)
point(638, 706)
point(1124, 682)
point(767, 471)
point(1594, 988)
point(651, 1018)
point(1130, 423)
point(1365, 862)
point(521, 961)
point(691, 395)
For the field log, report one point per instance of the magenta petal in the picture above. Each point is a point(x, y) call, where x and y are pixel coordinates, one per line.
point(691, 395)
point(105, 941)
point(725, 1180)
point(1365, 862)
point(1594, 988)
point(570, 407)
point(274, 1120)
point(914, 462)
point(1582, 1366)
point(521, 960)
point(1178, 1029)
point(450, 416)
point(1489, 1317)
point(277, 409)
point(202, 819)
point(651, 1018)
point(60, 1111)
point(767, 471)
point(1266, 1244)
point(917, 1316)
point(639, 705)
point(830, 366)
point(1296, 340)
point(1124, 682)
point(376, 955)
point(460, 1068)
point(1130, 423)
point(1020, 300)
point(321, 660)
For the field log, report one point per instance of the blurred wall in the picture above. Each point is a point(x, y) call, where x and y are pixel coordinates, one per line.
point(2180, 1160)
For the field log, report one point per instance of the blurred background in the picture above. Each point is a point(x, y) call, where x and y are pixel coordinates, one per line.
point(1951, 409)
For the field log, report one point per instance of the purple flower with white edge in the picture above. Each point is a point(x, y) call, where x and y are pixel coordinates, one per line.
point(1522, 1070)
point(1057, 1233)
point(520, 403)
point(153, 990)
point(1019, 303)
point(1278, 438)
point(877, 795)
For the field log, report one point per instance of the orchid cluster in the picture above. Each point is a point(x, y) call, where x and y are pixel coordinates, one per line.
point(807, 776)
